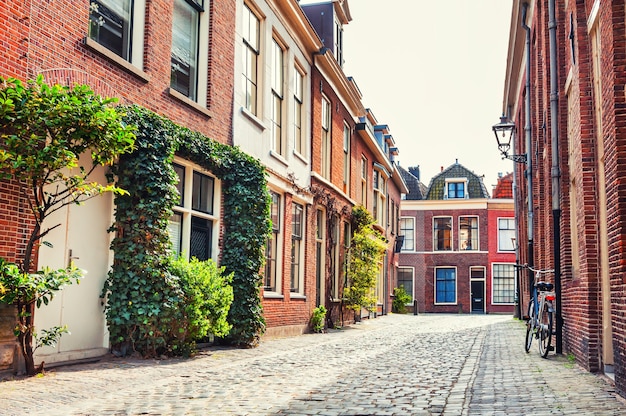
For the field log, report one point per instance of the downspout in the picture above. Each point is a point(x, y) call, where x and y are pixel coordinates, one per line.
point(529, 161)
point(555, 173)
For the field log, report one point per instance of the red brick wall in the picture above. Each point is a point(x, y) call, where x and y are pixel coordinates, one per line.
point(580, 174)
point(53, 49)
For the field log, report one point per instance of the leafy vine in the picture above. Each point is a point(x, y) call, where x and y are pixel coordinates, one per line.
point(139, 289)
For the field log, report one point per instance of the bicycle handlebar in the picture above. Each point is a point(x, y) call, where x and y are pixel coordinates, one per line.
point(538, 271)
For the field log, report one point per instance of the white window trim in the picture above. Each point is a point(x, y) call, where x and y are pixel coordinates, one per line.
point(493, 286)
point(403, 250)
point(452, 236)
point(279, 248)
point(412, 269)
point(187, 212)
point(473, 250)
point(498, 233)
point(456, 180)
point(456, 286)
point(300, 292)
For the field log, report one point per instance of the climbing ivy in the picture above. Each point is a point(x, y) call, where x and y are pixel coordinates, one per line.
point(141, 293)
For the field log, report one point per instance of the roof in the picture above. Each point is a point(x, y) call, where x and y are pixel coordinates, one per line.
point(417, 190)
point(504, 187)
point(475, 185)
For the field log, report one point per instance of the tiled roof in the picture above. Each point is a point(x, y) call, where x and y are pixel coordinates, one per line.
point(475, 185)
point(504, 188)
point(417, 190)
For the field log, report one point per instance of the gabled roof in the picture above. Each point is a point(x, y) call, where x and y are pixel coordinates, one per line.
point(417, 190)
point(504, 188)
point(475, 185)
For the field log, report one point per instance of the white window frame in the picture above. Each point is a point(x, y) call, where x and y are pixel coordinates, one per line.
point(326, 137)
point(403, 232)
point(299, 136)
point(412, 272)
point(277, 72)
point(364, 185)
point(379, 201)
point(298, 249)
point(455, 182)
point(137, 32)
point(187, 212)
point(463, 242)
point(202, 75)
point(252, 49)
point(346, 158)
point(456, 285)
point(505, 235)
point(511, 267)
point(451, 238)
point(277, 249)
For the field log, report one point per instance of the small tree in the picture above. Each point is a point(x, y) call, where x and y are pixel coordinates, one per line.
point(43, 132)
point(400, 299)
point(366, 252)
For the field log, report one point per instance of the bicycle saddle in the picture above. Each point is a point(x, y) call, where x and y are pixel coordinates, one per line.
point(544, 286)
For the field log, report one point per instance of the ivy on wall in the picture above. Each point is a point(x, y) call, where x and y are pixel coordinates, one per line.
point(139, 289)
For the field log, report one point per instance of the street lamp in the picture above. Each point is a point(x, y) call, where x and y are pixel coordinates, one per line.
point(504, 132)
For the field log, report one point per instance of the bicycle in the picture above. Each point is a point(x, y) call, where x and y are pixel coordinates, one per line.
point(541, 316)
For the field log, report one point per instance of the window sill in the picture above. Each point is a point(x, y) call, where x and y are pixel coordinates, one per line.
point(273, 295)
point(297, 296)
point(253, 118)
point(190, 103)
point(116, 59)
point(301, 157)
point(279, 158)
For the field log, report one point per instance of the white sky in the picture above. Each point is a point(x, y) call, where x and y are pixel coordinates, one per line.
point(433, 71)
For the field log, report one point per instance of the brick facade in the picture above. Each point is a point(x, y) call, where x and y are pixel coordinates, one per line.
point(584, 237)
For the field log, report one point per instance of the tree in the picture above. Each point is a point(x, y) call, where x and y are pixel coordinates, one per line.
point(366, 252)
point(44, 131)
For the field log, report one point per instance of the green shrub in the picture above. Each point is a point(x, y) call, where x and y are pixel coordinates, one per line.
point(318, 318)
point(206, 298)
point(400, 299)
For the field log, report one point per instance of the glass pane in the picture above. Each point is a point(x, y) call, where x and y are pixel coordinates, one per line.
point(109, 25)
point(175, 229)
point(180, 186)
point(185, 48)
point(200, 242)
point(275, 211)
point(202, 195)
point(296, 223)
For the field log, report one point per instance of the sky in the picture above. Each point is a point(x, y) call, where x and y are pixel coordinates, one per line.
point(433, 71)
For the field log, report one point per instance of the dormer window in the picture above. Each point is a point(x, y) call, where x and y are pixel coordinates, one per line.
point(456, 189)
point(338, 46)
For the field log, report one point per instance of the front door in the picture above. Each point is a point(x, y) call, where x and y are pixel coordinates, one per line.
point(478, 296)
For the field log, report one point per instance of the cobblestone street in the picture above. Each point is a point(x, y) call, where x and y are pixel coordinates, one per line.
point(392, 365)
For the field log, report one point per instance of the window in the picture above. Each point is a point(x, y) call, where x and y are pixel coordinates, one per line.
point(191, 226)
point(338, 50)
point(320, 256)
point(335, 257)
point(364, 181)
point(503, 283)
point(407, 229)
point(298, 99)
point(445, 285)
point(270, 282)
point(297, 226)
point(442, 233)
point(185, 41)
point(110, 24)
point(326, 137)
point(455, 190)
point(506, 234)
point(277, 97)
point(380, 199)
point(346, 158)
point(251, 51)
point(405, 279)
point(347, 234)
point(468, 233)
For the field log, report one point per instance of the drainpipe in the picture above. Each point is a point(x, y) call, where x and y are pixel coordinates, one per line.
point(555, 173)
point(529, 160)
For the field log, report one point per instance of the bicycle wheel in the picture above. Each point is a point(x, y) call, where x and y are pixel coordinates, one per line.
point(529, 326)
point(545, 328)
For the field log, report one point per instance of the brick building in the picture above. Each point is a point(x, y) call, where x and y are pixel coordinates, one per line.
point(254, 74)
point(457, 254)
point(564, 91)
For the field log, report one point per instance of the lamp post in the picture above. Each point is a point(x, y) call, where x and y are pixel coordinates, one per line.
point(504, 132)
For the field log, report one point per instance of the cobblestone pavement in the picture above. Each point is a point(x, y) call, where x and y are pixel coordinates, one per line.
point(392, 365)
